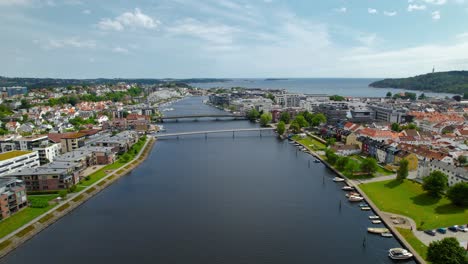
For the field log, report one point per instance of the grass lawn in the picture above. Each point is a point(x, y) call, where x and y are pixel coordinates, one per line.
point(21, 218)
point(408, 198)
point(380, 170)
point(311, 143)
point(414, 241)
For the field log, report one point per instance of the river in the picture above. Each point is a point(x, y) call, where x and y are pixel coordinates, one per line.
point(224, 199)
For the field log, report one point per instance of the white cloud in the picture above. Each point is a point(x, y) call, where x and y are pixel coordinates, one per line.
point(73, 42)
point(86, 11)
point(367, 39)
point(390, 13)
point(15, 2)
point(435, 15)
point(119, 49)
point(340, 10)
point(412, 8)
point(213, 32)
point(435, 2)
point(462, 35)
point(372, 11)
point(133, 20)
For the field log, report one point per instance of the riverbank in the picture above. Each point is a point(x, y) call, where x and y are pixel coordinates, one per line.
point(29, 230)
point(375, 209)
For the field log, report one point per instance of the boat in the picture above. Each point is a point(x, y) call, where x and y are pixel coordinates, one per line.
point(347, 188)
point(365, 208)
point(355, 198)
point(374, 217)
point(376, 221)
point(387, 234)
point(338, 179)
point(363, 205)
point(399, 254)
point(377, 230)
point(317, 161)
point(352, 194)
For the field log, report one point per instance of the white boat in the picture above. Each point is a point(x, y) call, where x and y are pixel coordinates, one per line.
point(347, 188)
point(338, 179)
point(377, 230)
point(374, 217)
point(399, 253)
point(365, 208)
point(387, 234)
point(376, 221)
point(353, 194)
point(355, 198)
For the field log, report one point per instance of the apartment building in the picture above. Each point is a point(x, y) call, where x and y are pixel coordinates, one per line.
point(12, 196)
point(12, 161)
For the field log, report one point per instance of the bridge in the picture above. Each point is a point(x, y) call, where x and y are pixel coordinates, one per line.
point(177, 117)
point(213, 132)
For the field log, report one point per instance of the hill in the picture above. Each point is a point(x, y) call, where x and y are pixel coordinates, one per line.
point(444, 82)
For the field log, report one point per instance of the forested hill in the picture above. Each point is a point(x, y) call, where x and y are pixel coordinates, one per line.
point(444, 82)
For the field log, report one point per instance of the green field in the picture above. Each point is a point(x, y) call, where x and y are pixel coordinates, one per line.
point(414, 241)
point(310, 143)
point(19, 219)
point(380, 171)
point(408, 198)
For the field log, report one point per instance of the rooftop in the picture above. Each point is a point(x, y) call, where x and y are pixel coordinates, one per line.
point(13, 154)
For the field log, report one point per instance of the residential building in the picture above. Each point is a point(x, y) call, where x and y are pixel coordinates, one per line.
point(72, 141)
point(455, 174)
point(48, 152)
point(12, 161)
point(50, 177)
point(12, 196)
point(288, 100)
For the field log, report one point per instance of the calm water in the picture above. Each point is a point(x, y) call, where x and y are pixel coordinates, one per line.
point(247, 199)
point(341, 86)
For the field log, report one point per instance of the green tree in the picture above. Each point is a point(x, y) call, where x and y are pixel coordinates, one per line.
point(422, 96)
point(62, 194)
point(271, 97)
point(295, 127)
point(318, 119)
point(281, 128)
point(402, 171)
point(458, 194)
point(253, 114)
point(265, 119)
point(285, 117)
point(369, 165)
point(308, 116)
point(341, 163)
point(446, 251)
point(25, 104)
point(396, 127)
point(331, 141)
point(331, 156)
point(300, 119)
point(337, 98)
point(389, 94)
point(462, 159)
point(412, 126)
point(435, 184)
point(351, 167)
point(465, 96)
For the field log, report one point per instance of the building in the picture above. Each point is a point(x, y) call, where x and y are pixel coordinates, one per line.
point(15, 90)
point(12, 196)
point(48, 153)
point(12, 161)
point(455, 174)
point(362, 115)
point(389, 114)
point(53, 176)
point(288, 100)
point(70, 142)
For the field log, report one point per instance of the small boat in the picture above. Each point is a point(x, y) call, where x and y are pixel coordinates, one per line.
point(365, 208)
point(399, 253)
point(355, 198)
point(376, 221)
point(374, 217)
point(352, 194)
point(338, 179)
point(377, 230)
point(363, 205)
point(347, 188)
point(387, 234)
point(317, 161)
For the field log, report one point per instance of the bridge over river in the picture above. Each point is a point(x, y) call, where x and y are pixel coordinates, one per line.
point(197, 116)
point(233, 131)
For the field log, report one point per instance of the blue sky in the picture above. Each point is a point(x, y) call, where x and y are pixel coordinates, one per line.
point(231, 38)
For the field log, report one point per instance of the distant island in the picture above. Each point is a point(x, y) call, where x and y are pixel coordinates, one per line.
point(276, 79)
point(443, 82)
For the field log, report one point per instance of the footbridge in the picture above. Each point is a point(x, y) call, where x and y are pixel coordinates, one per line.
point(197, 116)
point(233, 131)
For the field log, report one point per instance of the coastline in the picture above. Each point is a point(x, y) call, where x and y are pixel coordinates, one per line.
point(15, 239)
point(375, 209)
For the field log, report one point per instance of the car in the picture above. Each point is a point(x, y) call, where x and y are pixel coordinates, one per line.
point(453, 228)
point(430, 232)
point(442, 230)
point(462, 228)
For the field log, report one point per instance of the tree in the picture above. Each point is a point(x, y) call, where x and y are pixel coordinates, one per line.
point(295, 127)
point(402, 171)
point(422, 96)
point(341, 163)
point(331, 156)
point(336, 98)
point(331, 141)
point(62, 193)
point(389, 94)
point(318, 119)
point(462, 159)
point(281, 128)
point(351, 167)
point(446, 251)
point(265, 119)
point(412, 126)
point(457, 98)
point(253, 114)
point(465, 96)
point(25, 104)
point(369, 165)
point(271, 97)
point(285, 117)
point(301, 121)
point(396, 127)
point(435, 184)
point(458, 194)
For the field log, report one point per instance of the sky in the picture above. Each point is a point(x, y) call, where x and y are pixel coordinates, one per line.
point(232, 38)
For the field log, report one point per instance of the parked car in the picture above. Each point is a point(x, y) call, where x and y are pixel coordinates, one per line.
point(430, 232)
point(442, 230)
point(453, 228)
point(463, 228)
